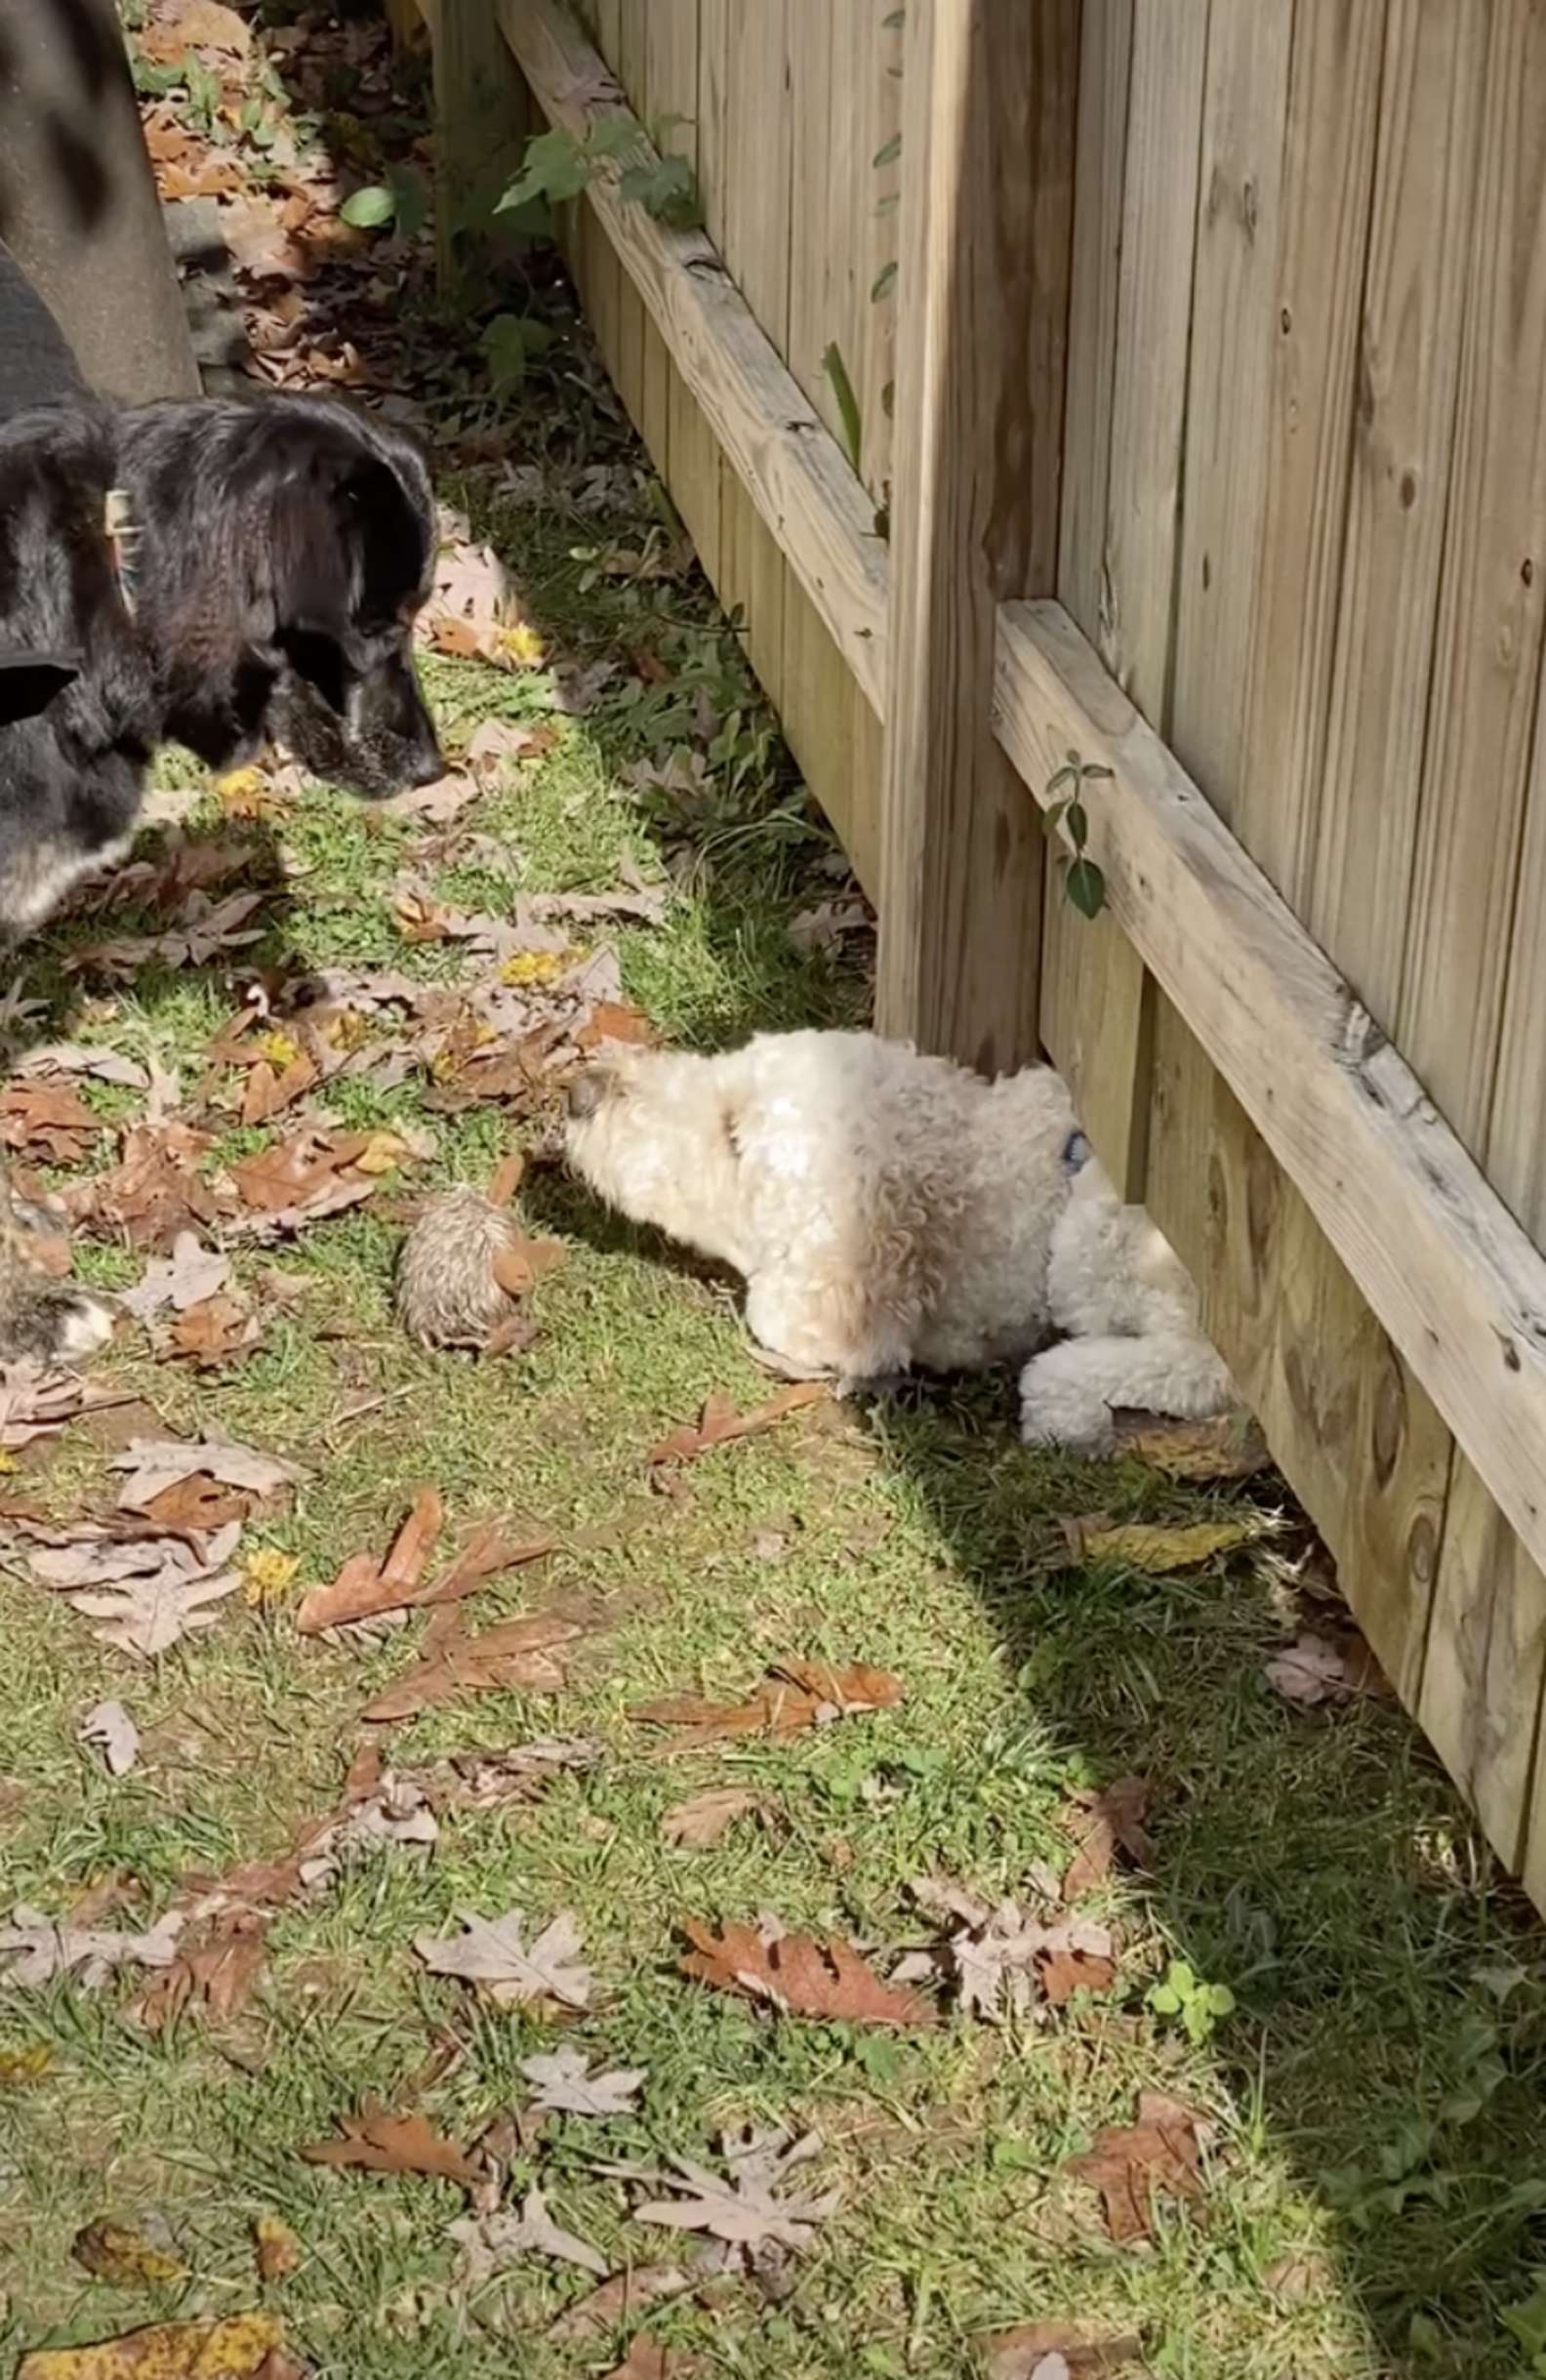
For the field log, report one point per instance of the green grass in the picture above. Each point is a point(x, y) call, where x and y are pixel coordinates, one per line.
point(1379, 2092)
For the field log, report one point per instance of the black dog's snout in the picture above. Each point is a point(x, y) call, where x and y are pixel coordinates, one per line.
point(584, 1094)
point(428, 767)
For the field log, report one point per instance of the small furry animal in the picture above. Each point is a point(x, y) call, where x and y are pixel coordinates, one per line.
point(892, 1211)
point(450, 1292)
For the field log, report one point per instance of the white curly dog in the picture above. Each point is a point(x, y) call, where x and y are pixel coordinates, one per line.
point(891, 1212)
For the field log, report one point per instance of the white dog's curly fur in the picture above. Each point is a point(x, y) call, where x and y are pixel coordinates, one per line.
point(889, 1210)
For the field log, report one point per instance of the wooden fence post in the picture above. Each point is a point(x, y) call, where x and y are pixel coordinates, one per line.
point(989, 109)
point(482, 115)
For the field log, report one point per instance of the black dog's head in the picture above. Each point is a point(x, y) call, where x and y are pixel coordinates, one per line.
point(354, 556)
point(287, 548)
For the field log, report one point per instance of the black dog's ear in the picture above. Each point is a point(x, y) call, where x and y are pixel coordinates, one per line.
point(351, 548)
point(315, 554)
point(29, 682)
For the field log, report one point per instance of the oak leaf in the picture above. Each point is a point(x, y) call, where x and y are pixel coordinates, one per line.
point(800, 1976)
point(491, 1952)
point(619, 2300)
point(1102, 1825)
point(566, 2085)
point(1130, 2164)
point(798, 1695)
point(376, 2142)
point(720, 1424)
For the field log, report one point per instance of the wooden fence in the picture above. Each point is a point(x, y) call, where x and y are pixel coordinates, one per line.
point(1216, 452)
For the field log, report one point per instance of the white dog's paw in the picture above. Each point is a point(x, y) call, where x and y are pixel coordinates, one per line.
point(1058, 1407)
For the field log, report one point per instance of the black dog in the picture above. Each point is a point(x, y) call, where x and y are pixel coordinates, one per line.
point(213, 572)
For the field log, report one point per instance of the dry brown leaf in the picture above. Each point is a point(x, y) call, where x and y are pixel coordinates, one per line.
point(276, 2247)
point(379, 2143)
point(191, 1275)
point(1230, 1446)
point(48, 1121)
point(268, 1090)
point(198, 25)
point(720, 1424)
point(1102, 1824)
point(613, 1020)
point(155, 1464)
point(1063, 1972)
point(123, 2258)
point(1148, 1546)
point(490, 1952)
point(1129, 2164)
point(154, 1193)
point(1022, 2352)
point(213, 1332)
point(196, 1502)
point(35, 1950)
point(798, 1695)
point(516, 1656)
point(703, 1818)
point(242, 2347)
point(743, 2210)
point(486, 1553)
point(215, 1971)
point(485, 1781)
point(622, 2299)
point(801, 1976)
point(365, 1587)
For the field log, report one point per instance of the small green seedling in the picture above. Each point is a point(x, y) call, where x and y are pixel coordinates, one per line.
point(1083, 881)
point(1200, 2006)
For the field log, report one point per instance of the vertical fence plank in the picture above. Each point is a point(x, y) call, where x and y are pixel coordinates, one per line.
point(1102, 1013)
point(815, 706)
point(1486, 1664)
point(694, 458)
point(988, 117)
point(482, 115)
point(1313, 343)
point(644, 30)
point(1096, 1000)
point(1492, 601)
point(1244, 120)
point(1407, 368)
point(755, 165)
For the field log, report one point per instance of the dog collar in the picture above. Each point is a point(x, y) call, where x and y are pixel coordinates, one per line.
point(123, 537)
point(1075, 1151)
